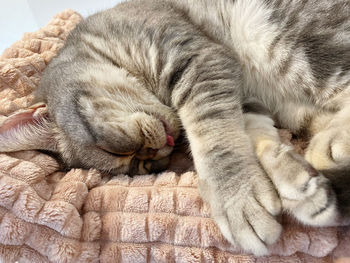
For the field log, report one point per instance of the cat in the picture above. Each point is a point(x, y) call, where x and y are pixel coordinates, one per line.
point(130, 78)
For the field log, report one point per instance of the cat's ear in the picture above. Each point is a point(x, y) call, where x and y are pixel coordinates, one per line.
point(28, 129)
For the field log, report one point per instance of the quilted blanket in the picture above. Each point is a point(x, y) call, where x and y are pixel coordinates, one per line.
point(50, 215)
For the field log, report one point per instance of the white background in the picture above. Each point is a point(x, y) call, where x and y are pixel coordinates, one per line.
point(20, 16)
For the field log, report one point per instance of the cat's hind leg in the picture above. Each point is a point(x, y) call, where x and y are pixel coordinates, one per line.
point(329, 147)
point(304, 192)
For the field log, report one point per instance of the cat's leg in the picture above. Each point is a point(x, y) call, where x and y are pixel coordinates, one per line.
point(242, 198)
point(329, 151)
point(304, 192)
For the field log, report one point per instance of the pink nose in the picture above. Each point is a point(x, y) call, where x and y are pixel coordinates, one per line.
point(170, 140)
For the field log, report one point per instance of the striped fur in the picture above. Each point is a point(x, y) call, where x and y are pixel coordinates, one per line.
point(128, 78)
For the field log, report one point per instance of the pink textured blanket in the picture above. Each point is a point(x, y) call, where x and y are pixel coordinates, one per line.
point(47, 215)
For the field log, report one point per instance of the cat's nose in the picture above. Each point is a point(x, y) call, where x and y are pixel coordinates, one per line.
point(146, 153)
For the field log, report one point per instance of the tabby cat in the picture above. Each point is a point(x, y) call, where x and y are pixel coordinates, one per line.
point(130, 77)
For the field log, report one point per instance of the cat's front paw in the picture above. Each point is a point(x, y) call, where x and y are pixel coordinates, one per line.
point(328, 149)
point(318, 208)
point(304, 191)
point(246, 215)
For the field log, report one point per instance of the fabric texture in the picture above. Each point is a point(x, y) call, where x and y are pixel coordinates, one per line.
point(49, 215)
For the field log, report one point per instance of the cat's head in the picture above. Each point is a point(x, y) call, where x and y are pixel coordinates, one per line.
point(136, 143)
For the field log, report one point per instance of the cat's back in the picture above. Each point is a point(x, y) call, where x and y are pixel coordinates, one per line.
point(269, 35)
point(295, 54)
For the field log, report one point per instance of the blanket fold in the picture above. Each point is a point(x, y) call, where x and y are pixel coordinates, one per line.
point(50, 215)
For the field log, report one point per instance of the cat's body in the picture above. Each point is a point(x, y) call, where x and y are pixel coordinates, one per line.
point(128, 77)
point(294, 54)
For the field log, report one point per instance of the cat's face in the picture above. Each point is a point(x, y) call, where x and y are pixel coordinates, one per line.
point(100, 117)
point(138, 143)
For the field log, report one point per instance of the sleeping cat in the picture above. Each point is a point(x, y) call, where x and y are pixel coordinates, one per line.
point(128, 78)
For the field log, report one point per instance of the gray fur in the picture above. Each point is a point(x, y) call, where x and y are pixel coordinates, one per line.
point(129, 77)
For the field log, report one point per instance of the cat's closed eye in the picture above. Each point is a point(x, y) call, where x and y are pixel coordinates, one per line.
point(117, 154)
point(143, 154)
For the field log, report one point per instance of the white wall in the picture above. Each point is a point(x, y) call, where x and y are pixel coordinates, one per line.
point(19, 16)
